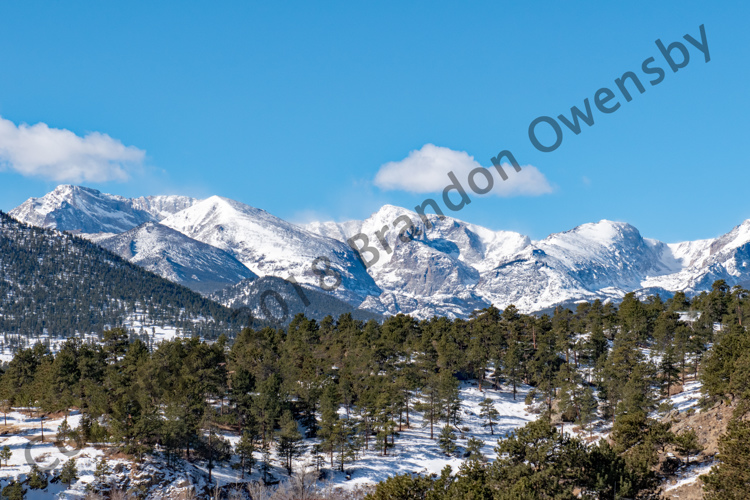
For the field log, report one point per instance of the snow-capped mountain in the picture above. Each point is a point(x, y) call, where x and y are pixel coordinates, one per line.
point(270, 246)
point(702, 262)
point(437, 272)
point(449, 268)
point(180, 259)
point(599, 260)
point(85, 210)
point(454, 267)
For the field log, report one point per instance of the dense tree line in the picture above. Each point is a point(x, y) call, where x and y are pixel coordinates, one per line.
point(356, 385)
point(62, 285)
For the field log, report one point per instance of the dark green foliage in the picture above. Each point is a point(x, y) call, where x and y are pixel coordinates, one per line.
point(536, 462)
point(63, 431)
point(474, 449)
point(354, 385)
point(687, 444)
point(102, 469)
point(69, 472)
point(14, 491)
point(245, 449)
point(730, 480)
point(64, 284)
point(290, 446)
point(489, 413)
point(447, 440)
point(37, 478)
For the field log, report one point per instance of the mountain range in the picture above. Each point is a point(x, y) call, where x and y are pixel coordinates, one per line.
point(449, 267)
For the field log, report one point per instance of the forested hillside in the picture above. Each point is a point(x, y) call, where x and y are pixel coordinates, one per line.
point(278, 301)
point(335, 391)
point(57, 284)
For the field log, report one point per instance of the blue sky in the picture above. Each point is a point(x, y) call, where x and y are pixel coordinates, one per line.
point(295, 107)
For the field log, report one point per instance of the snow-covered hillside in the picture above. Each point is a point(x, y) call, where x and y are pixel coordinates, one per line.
point(270, 246)
point(180, 259)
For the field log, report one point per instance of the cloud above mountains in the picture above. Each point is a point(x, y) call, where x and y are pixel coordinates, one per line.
point(62, 156)
point(426, 171)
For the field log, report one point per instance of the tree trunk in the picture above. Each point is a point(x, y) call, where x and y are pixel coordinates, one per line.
point(683, 368)
point(407, 409)
point(432, 417)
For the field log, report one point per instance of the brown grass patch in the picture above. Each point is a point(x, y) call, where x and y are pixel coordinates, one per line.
point(9, 429)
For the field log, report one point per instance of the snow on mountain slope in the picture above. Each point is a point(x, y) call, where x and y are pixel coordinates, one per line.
point(75, 208)
point(161, 207)
point(599, 260)
point(436, 272)
point(705, 261)
point(180, 259)
point(85, 210)
point(450, 268)
point(270, 246)
point(454, 267)
point(474, 245)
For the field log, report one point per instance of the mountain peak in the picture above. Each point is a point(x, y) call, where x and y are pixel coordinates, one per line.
point(86, 210)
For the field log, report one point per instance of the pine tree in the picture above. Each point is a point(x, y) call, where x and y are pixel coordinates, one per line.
point(474, 449)
point(102, 469)
point(267, 406)
point(587, 407)
point(63, 431)
point(265, 461)
point(447, 440)
point(329, 417)
point(37, 478)
point(5, 454)
point(14, 491)
point(489, 413)
point(512, 364)
point(69, 472)
point(668, 368)
point(730, 479)
point(687, 444)
point(289, 438)
point(451, 399)
point(245, 449)
point(6, 408)
point(431, 404)
point(344, 442)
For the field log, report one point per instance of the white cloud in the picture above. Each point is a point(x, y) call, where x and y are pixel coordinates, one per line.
point(426, 171)
point(62, 156)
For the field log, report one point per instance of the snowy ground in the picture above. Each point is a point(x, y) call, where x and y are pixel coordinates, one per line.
point(414, 451)
point(689, 475)
point(688, 398)
point(23, 435)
